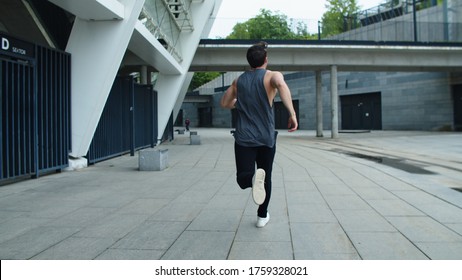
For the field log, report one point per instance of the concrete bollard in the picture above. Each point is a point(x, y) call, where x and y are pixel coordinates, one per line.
point(153, 159)
point(195, 139)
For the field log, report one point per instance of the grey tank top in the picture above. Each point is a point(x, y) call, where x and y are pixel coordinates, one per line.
point(255, 116)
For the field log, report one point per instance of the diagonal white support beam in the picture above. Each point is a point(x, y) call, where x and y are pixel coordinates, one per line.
point(93, 9)
point(99, 46)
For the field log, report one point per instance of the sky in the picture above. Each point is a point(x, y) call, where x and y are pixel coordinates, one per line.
point(309, 11)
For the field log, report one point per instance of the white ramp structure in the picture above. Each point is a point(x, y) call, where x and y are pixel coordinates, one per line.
point(162, 35)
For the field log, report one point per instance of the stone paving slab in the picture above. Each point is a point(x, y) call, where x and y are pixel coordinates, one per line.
point(329, 201)
point(201, 245)
point(321, 241)
point(385, 246)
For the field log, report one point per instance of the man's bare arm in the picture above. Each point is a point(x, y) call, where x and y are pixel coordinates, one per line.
point(229, 98)
point(278, 82)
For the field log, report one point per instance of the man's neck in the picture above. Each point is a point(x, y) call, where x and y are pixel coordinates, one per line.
point(261, 67)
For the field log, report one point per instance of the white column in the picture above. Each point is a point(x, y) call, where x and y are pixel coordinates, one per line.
point(319, 128)
point(334, 100)
point(97, 49)
point(144, 75)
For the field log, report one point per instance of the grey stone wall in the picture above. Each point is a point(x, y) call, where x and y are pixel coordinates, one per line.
point(410, 101)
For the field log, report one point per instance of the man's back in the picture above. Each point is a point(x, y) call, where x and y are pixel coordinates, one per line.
point(255, 114)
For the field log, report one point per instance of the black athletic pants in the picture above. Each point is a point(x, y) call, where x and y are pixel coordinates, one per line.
point(246, 158)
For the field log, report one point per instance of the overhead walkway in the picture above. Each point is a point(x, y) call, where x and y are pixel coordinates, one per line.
point(333, 56)
point(312, 55)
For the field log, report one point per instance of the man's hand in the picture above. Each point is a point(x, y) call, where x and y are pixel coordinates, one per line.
point(292, 124)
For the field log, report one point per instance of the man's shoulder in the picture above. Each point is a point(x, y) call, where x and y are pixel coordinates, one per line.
point(274, 73)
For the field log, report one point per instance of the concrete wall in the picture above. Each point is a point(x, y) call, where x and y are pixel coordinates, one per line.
point(410, 101)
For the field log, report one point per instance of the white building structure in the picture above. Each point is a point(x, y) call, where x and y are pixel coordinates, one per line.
point(157, 34)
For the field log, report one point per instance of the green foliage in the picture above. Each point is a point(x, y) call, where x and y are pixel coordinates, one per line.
point(269, 25)
point(339, 17)
point(201, 78)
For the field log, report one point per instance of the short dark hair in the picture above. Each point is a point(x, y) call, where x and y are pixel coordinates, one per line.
point(256, 54)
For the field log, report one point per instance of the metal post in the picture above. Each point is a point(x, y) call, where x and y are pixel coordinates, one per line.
point(319, 128)
point(446, 20)
point(132, 117)
point(414, 15)
point(334, 100)
point(223, 81)
point(36, 117)
point(319, 30)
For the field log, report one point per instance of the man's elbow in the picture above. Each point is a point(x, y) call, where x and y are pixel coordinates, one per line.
point(228, 104)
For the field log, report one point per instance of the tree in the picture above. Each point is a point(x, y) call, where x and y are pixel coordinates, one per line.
point(339, 17)
point(268, 25)
point(201, 78)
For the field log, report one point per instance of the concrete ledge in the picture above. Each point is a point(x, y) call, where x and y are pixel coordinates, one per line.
point(195, 139)
point(180, 130)
point(153, 159)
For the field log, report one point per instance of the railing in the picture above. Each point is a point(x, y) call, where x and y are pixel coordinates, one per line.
point(405, 31)
point(404, 21)
point(166, 19)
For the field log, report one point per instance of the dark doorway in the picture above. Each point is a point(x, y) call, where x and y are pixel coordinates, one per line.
point(362, 111)
point(205, 117)
point(458, 107)
point(179, 119)
point(281, 116)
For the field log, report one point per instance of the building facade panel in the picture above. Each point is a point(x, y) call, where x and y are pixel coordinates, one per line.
point(409, 101)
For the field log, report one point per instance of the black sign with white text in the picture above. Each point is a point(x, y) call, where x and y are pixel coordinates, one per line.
point(16, 47)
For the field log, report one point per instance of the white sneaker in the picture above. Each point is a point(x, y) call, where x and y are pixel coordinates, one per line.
point(258, 188)
point(261, 222)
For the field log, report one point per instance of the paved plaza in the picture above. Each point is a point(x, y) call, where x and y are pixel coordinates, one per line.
point(371, 195)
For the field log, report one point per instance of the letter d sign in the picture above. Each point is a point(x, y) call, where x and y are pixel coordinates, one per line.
point(5, 44)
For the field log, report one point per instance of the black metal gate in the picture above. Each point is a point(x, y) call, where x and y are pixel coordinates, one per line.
point(53, 108)
point(34, 109)
point(128, 121)
point(18, 149)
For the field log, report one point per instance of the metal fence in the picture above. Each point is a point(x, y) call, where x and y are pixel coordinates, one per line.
point(18, 149)
point(53, 108)
point(128, 121)
point(405, 31)
point(34, 109)
point(402, 21)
